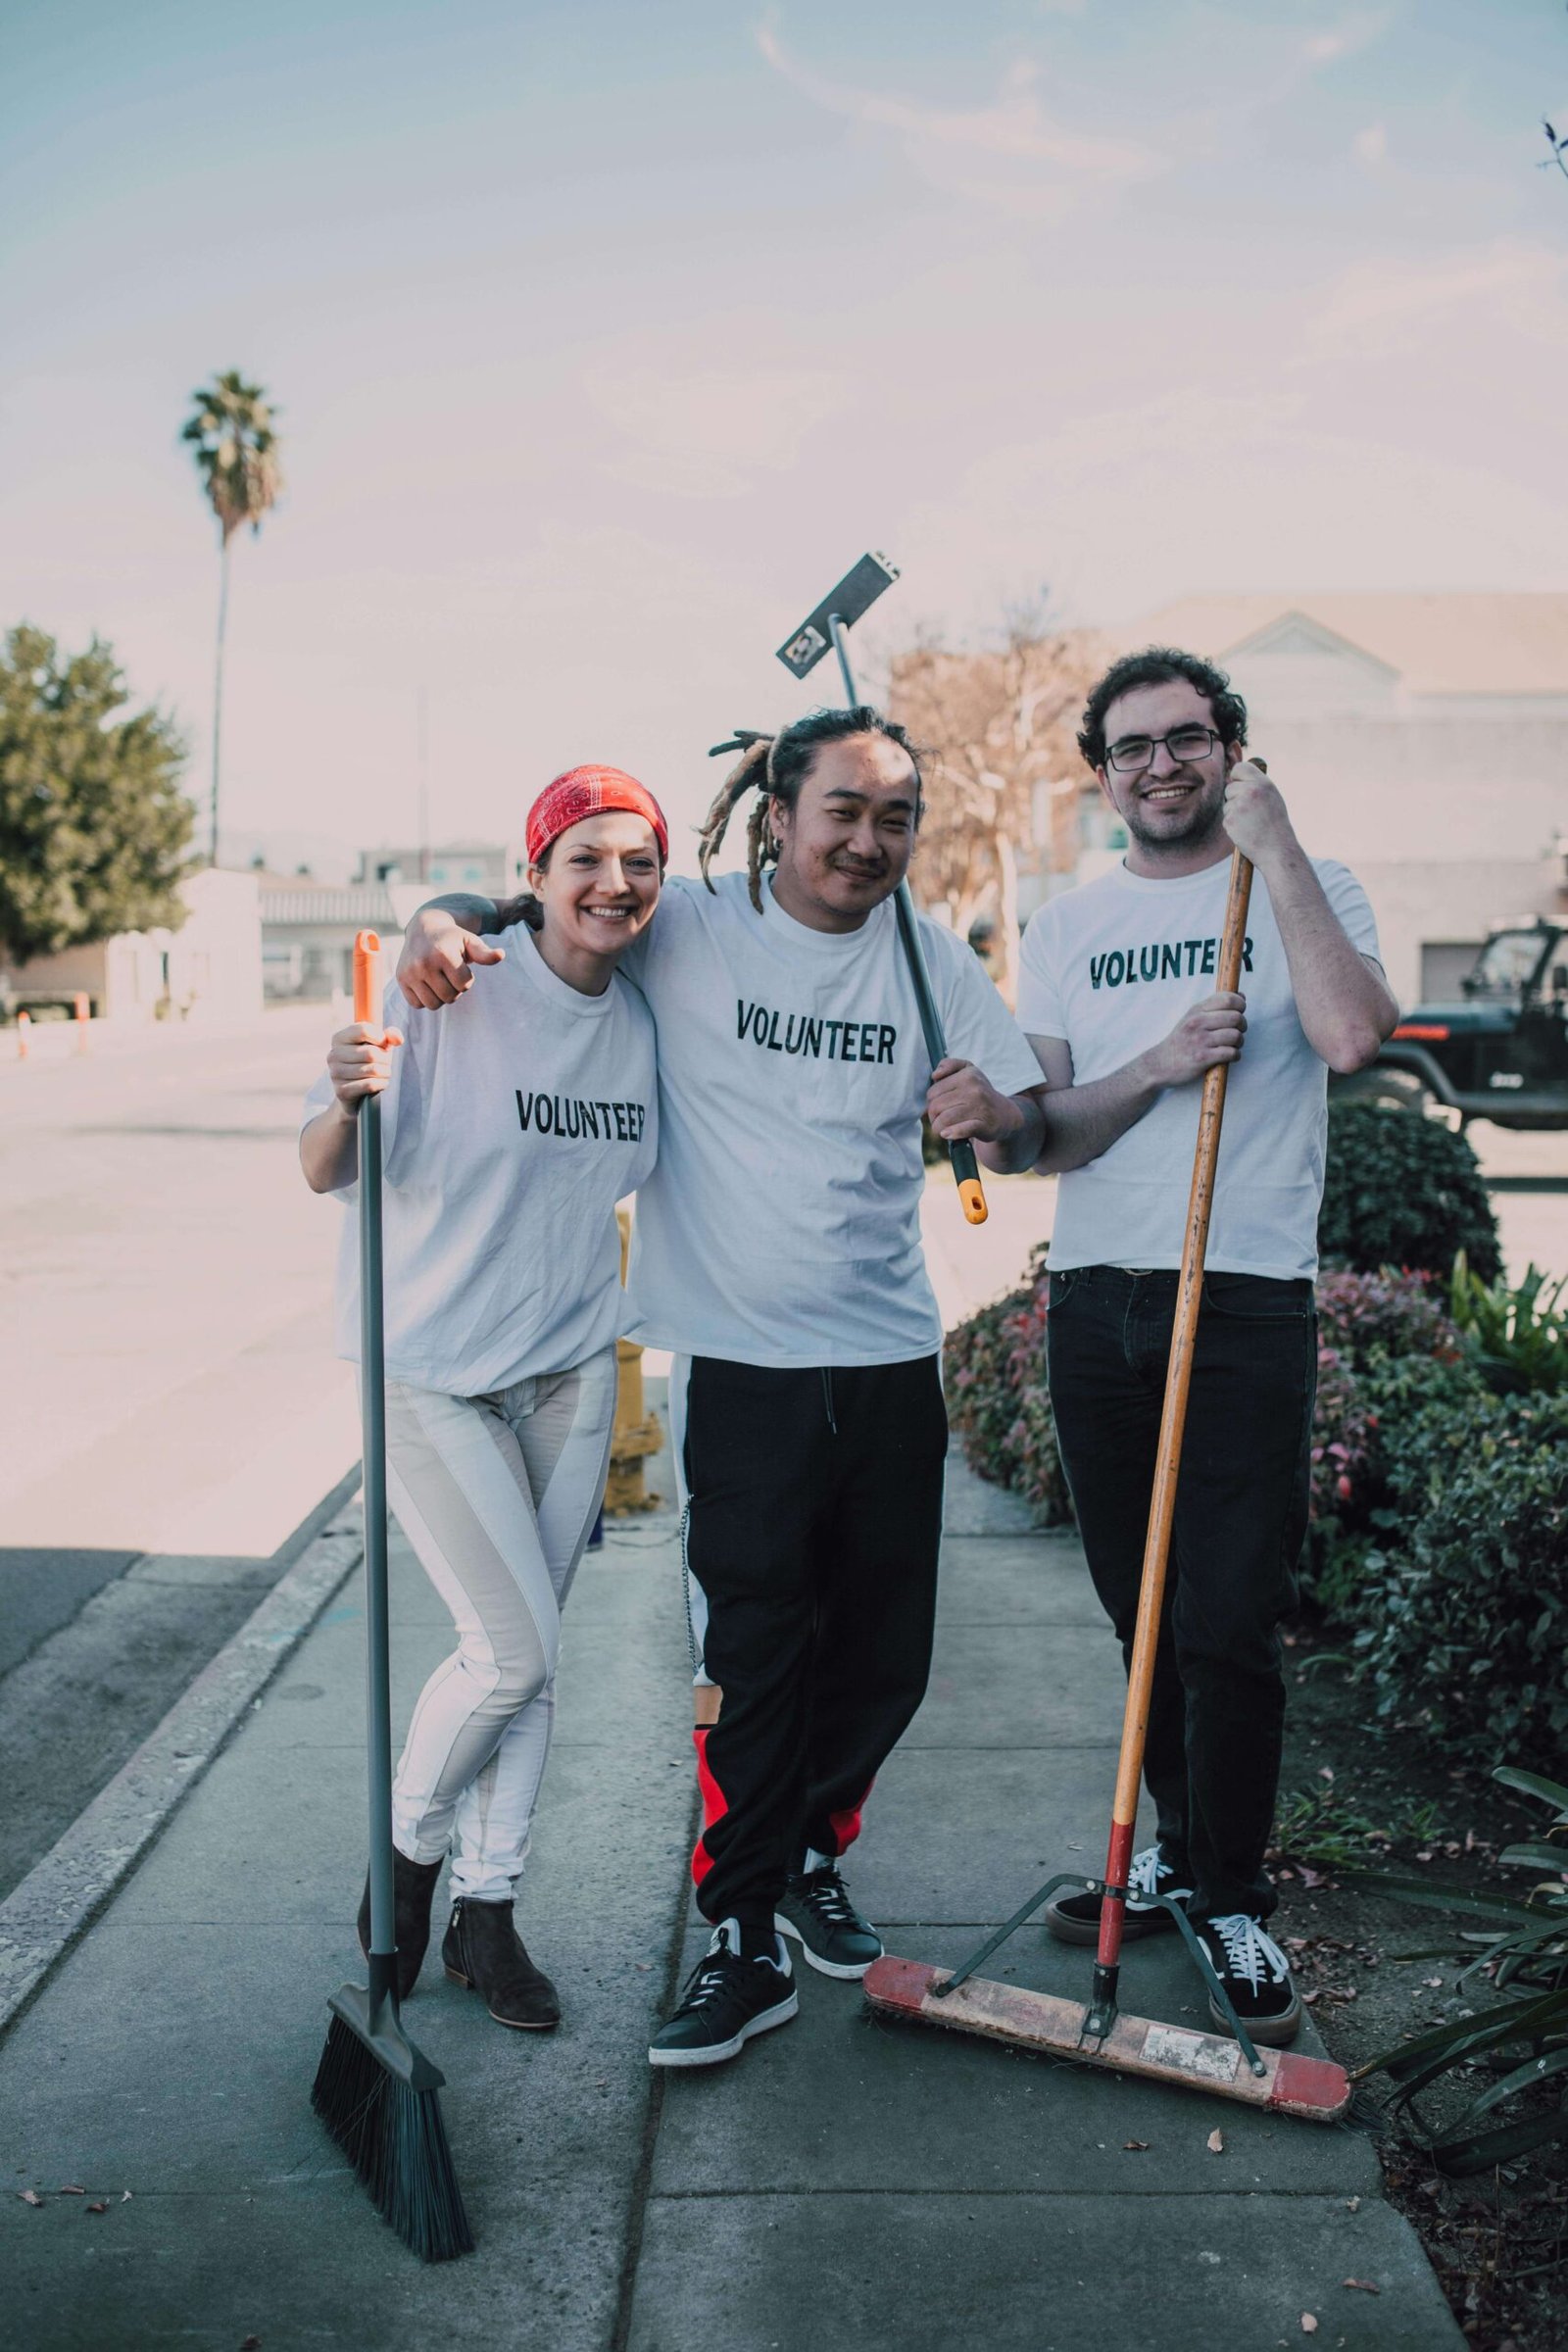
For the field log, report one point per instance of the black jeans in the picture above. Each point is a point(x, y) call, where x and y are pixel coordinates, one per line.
point(814, 1523)
point(1217, 1712)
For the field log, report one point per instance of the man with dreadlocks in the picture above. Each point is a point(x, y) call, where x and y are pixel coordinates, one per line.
point(778, 1257)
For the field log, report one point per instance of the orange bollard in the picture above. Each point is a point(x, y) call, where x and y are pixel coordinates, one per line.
point(24, 1029)
point(84, 1018)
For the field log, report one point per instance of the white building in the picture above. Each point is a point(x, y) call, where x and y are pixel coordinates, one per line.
point(1423, 738)
point(309, 927)
point(206, 969)
point(496, 869)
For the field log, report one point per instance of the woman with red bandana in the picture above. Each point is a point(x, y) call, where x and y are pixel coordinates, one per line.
point(510, 1128)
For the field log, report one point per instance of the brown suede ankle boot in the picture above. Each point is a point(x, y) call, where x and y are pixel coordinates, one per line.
point(413, 1891)
point(483, 1951)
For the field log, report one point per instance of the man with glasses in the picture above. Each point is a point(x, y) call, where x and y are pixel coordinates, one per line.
point(1117, 998)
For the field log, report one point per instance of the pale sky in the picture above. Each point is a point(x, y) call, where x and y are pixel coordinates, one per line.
point(605, 336)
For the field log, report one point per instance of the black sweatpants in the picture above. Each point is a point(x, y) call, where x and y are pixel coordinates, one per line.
point(1217, 1712)
point(815, 1519)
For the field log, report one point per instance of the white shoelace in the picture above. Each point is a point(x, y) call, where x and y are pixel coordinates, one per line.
point(825, 1893)
point(1146, 1870)
point(1248, 1952)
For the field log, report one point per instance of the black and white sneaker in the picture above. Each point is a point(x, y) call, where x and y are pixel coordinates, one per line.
point(1257, 1976)
point(728, 1999)
point(817, 1911)
point(1075, 1918)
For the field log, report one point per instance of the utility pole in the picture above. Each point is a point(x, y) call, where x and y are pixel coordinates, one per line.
point(422, 706)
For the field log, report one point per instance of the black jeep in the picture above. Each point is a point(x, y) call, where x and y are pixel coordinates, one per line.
point(1501, 1053)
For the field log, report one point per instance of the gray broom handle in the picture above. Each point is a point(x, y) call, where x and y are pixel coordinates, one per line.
point(962, 1156)
point(903, 904)
point(378, 1668)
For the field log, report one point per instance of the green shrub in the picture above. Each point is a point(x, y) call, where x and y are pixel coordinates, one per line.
point(1519, 1335)
point(1461, 1607)
point(1401, 1190)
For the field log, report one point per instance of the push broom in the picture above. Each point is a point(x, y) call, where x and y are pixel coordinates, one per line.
point(1097, 2032)
point(374, 2091)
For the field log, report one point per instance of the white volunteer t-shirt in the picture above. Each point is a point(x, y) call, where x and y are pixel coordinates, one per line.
point(1111, 968)
point(782, 1224)
point(514, 1121)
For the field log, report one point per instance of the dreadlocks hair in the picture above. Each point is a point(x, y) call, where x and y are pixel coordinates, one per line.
point(775, 766)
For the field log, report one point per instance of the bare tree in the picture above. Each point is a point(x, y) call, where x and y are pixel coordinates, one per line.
point(999, 728)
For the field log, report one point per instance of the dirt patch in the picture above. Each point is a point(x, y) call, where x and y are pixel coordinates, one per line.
point(1355, 1795)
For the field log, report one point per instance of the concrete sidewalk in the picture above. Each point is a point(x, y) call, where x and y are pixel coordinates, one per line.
point(846, 2183)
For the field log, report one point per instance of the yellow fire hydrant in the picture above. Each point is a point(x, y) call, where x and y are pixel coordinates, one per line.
point(636, 1434)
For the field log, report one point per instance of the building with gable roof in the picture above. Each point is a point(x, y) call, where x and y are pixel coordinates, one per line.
point(1421, 738)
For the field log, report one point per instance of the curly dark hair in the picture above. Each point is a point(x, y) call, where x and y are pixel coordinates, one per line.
point(775, 766)
point(1155, 665)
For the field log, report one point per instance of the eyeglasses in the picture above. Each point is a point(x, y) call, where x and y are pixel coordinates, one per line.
point(1184, 743)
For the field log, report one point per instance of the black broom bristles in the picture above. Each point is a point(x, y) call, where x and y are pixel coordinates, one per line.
point(397, 2144)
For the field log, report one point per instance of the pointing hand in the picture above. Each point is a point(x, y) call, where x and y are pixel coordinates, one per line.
point(438, 957)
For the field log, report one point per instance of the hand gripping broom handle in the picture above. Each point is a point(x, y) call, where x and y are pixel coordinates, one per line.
point(965, 1166)
point(373, 1405)
point(1167, 1464)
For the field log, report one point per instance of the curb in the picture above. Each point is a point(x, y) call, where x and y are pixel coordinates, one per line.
point(63, 1892)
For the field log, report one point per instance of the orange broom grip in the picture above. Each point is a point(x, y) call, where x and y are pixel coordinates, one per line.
point(367, 976)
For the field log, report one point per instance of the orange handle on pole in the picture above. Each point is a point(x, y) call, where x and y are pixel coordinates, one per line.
point(367, 975)
point(1173, 1423)
point(971, 1190)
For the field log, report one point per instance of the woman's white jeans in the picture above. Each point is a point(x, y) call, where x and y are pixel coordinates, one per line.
point(680, 1374)
point(497, 1496)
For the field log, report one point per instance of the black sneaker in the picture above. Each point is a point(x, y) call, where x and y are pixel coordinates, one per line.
point(1075, 1918)
point(818, 1912)
point(728, 1999)
point(1255, 1974)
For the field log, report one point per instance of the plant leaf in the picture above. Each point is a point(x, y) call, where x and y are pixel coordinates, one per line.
point(1478, 2153)
point(1415, 1890)
point(1539, 1856)
point(1533, 1785)
point(1510, 2020)
point(1523, 2077)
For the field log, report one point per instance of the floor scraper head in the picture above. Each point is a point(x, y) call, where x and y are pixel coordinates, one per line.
point(1313, 2088)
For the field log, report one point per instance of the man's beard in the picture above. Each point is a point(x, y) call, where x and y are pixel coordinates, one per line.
point(1201, 821)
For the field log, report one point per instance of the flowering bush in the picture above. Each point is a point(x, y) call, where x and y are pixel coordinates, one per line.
point(1384, 1345)
point(1363, 1315)
point(1440, 1512)
point(998, 1400)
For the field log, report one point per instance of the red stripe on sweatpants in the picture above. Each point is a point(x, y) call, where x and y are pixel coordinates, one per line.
point(846, 1825)
point(715, 1804)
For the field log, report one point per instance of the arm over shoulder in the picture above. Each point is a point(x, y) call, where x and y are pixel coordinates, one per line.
point(978, 1025)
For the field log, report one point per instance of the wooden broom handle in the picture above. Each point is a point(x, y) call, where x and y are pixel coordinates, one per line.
point(1178, 1378)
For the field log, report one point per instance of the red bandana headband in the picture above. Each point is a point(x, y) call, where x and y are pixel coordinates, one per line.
point(588, 792)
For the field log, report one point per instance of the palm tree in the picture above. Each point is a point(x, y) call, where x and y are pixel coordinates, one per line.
point(236, 456)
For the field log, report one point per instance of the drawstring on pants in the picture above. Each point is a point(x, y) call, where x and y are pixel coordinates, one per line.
point(827, 1398)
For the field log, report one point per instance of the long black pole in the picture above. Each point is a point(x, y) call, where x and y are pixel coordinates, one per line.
point(965, 1166)
point(372, 1406)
